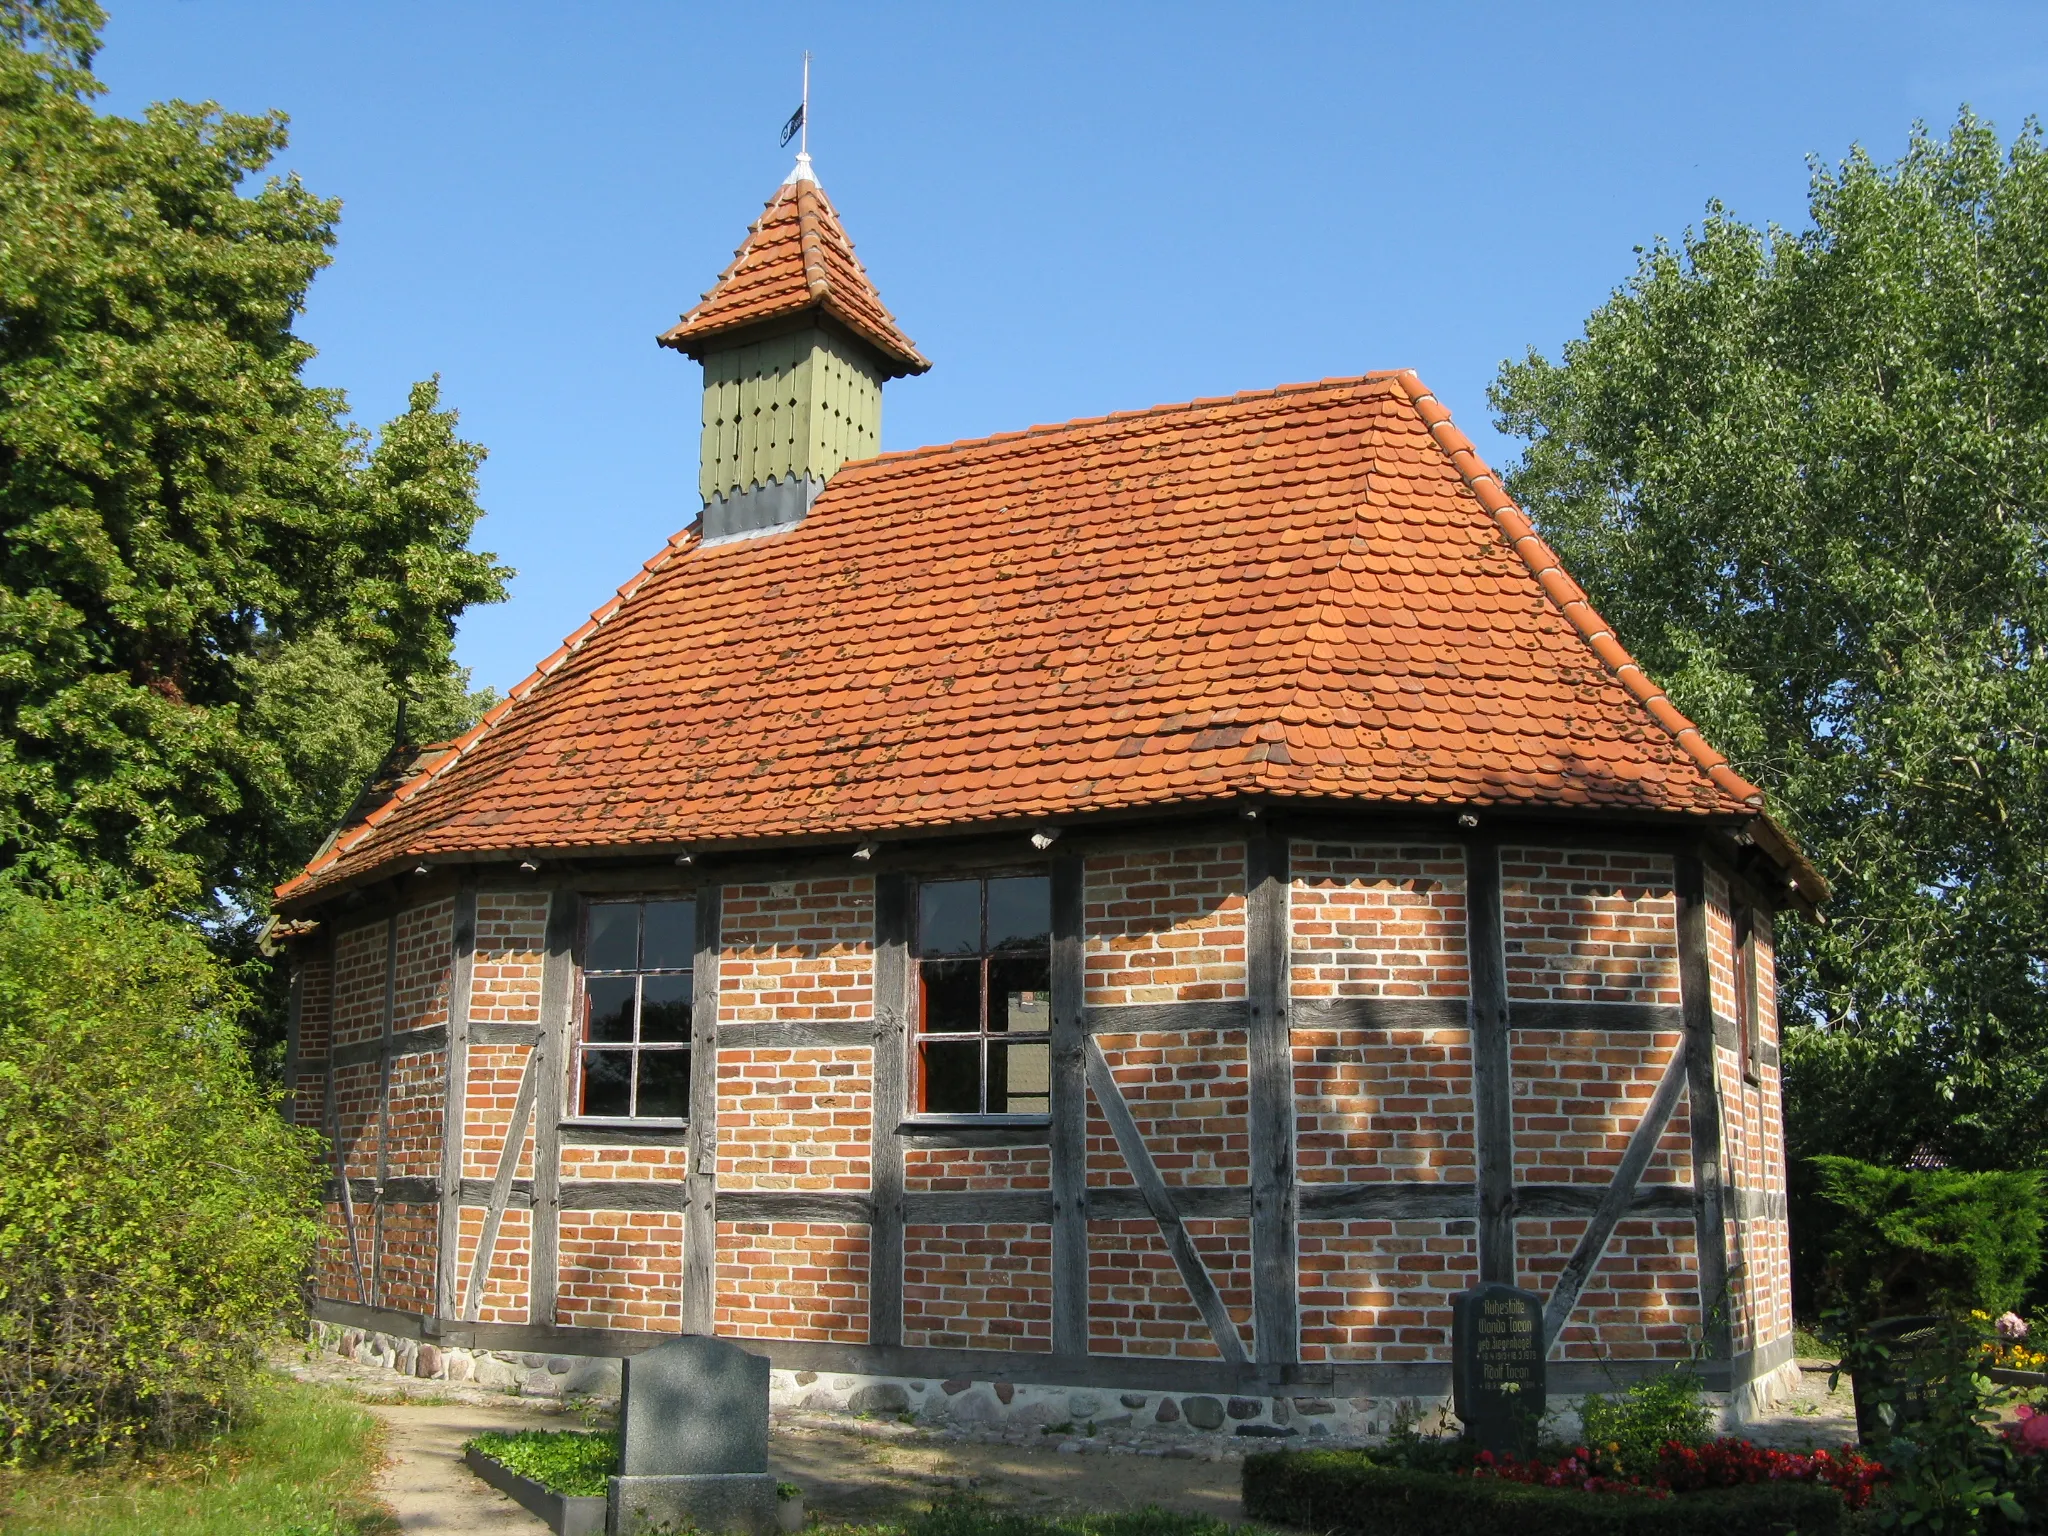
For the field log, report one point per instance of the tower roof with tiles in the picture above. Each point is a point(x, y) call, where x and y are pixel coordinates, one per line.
point(796, 259)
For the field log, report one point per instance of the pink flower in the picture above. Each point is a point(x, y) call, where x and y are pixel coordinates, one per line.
point(2011, 1327)
point(2033, 1428)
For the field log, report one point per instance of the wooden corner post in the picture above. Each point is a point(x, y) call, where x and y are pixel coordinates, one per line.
point(700, 1217)
point(1703, 1106)
point(557, 1016)
point(1492, 1061)
point(1069, 1146)
point(891, 1067)
point(1276, 1311)
point(454, 1103)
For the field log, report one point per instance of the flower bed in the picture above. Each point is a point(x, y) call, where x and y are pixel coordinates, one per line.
point(1680, 1469)
point(560, 1475)
point(1347, 1493)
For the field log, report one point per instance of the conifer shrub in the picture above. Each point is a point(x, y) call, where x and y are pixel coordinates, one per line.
point(1928, 1240)
point(156, 1213)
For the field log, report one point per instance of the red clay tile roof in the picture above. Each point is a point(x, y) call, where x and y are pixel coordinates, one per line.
point(796, 257)
point(1310, 593)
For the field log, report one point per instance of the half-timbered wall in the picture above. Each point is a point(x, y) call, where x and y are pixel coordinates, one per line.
point(795, 1073)
point(813, 1161)
point(1759, 1238)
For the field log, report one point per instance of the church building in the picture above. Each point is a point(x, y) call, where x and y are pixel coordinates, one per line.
point(1152, 907)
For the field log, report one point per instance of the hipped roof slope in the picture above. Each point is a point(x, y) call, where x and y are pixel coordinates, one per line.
point(1310, 593)
point(796, 257)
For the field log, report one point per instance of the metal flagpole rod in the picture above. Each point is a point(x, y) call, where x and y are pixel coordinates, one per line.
point(804, 133)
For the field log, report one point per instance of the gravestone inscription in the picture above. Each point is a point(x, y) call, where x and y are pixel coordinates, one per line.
point(694, 1440)
point(1497, 1373)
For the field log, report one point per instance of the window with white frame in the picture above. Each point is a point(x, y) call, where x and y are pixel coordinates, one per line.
point(633, 1049)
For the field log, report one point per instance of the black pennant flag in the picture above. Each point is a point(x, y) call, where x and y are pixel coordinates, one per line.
point(789, 129)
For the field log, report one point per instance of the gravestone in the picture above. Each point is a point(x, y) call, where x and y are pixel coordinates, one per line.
point(693, 1438)
point(1497, 1379)
point(1891, 1389)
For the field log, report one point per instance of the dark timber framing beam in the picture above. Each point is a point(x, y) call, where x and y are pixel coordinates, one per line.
point(455, 1102)
point(384, 1108)
point(1615, 1203)
point(557, 1009)
point(1703, 1101)
point(1276, 1334)
point(1492, 1073)
point(891, 1072)
point(700, 1178)
point(1158, 1199)
point(1068, 1149)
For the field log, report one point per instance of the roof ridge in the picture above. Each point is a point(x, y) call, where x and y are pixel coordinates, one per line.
point(1567, 594)
point(809, 243)
point(1164, 408)
point(455, 751)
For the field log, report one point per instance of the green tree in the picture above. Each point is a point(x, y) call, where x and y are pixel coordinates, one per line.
point(1806, 476)
point(214, 588)
point(155, 1212)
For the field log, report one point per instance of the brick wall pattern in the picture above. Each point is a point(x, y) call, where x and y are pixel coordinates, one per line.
point(1589, 927)
point(1165, 926)
point(793, 1280)
point(978, 1286)
point(1379, 1292)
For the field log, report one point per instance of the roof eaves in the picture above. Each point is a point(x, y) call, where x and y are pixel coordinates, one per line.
point(338, 848)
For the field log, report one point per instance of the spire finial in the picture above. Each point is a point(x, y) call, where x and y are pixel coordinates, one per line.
point(799, 128)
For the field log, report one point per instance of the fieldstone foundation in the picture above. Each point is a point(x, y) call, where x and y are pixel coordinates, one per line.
point(1085, 1418)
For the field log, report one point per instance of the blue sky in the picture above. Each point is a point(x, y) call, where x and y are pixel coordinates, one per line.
point(1072, 208)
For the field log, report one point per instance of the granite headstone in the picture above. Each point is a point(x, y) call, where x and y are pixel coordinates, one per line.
point(1497, 1373)
point(1890, 1386)
point(694, 1440)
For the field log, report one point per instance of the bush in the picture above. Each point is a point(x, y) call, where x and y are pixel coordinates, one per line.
point(1346, 1494)
point(155, 1212)
point(1628, 1434)
point(1932, 1240)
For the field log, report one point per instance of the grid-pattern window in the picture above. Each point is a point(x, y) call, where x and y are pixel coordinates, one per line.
point(1746, 1016)
point(633, 1057)
point(984, 996)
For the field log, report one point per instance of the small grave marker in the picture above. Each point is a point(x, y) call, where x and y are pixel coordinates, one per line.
point(1497, 1372)
point(694, 1441)
point(1891, 1391)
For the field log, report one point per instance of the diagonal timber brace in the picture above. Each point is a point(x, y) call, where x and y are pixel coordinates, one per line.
point(1615, 1202)
point(1159, 1201)
point(501, 1186)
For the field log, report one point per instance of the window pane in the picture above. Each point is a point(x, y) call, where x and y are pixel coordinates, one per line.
point(665, 1008)
point(949, 917)
point(671, 938)
point(1019, 992)
point(952, 995)
point(614, 942)
point(611, 1007)
point(1019, 912)
point(607, 1079)
point(951, 1079)
point(1019, 1078)
point(664, 1084)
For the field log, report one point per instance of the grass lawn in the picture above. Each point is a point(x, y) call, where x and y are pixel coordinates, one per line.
point(299, 1464)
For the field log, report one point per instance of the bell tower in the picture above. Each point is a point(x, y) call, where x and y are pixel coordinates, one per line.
point(796, 346)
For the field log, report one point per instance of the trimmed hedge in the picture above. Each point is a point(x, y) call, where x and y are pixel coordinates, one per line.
point(1346, 1494)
